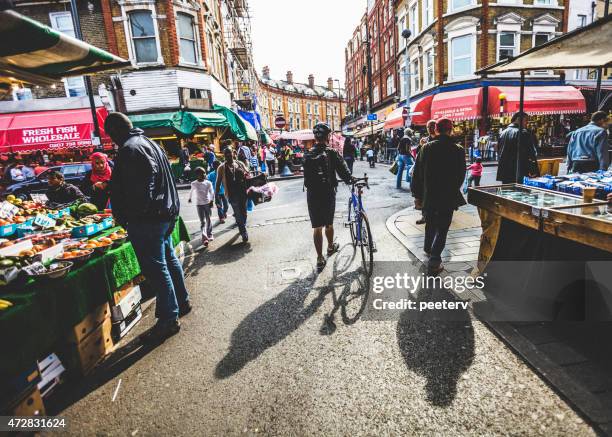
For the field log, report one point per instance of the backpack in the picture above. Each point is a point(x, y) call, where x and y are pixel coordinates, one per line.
point(316, 169)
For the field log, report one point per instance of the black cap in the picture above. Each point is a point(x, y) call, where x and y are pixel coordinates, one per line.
point(321, 130)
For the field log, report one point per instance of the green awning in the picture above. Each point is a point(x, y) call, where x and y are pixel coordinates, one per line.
point(35, 53)
point(152, 121)
point(242, 129)
point(265, 138)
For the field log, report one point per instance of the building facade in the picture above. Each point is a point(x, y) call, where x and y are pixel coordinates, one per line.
point(302, 104)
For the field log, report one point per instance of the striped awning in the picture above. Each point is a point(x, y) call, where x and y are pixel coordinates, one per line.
point(35, 53)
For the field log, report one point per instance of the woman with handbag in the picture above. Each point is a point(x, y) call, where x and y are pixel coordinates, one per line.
point(233, 175)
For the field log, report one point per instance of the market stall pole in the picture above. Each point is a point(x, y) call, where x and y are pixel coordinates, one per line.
point(600, 70)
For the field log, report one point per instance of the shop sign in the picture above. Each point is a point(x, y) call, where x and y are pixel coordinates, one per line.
point(76, 135)
point(372, 117)
point(457, 113)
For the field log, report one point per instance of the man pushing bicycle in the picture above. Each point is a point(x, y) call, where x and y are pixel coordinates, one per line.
point(320, 167)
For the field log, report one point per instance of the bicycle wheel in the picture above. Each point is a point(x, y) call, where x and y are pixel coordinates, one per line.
point(367, 245)
point(352, 220)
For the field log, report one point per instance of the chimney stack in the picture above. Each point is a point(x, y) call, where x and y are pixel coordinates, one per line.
point(311, 81)
point(266, 72)
point(330, 84)
point(289, 77)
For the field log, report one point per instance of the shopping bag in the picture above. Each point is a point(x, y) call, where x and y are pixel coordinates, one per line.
point(394, 168)
point(256, 181)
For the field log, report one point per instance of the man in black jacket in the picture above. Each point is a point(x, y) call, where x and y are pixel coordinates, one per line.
point(437, 180)
point(508, 146)
point(145, 201)
point(320, 167)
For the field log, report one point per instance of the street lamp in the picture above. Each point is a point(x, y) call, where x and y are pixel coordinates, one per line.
point(406, 34)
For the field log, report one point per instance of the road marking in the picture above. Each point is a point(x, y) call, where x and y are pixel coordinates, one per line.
point(116, 390)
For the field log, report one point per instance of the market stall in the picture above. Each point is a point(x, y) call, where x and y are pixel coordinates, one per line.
point(556, 227)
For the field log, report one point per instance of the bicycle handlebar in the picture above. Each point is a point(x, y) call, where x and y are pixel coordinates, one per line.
point(364, 179)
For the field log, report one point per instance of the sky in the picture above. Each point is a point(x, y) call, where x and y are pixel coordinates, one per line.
point(303, 36)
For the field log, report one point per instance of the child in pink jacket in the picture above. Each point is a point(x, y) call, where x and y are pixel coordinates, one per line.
point(475, 173)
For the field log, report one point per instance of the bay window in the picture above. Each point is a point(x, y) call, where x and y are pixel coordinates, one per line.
point(187, 38)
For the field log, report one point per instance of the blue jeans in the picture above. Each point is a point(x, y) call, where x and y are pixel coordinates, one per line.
point(160, 266)
point(403, 161)
point(239, 206)
point(222, 206)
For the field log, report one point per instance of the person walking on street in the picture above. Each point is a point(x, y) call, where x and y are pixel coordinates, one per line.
point(404, 160)
point(270, 160)
point(321, 164)
point(210, 157)
point(349, 153)
point(205, 195)
point(146, 203)
point(437, 180)
point(184, 162)
point(475, 173)
point(370, 157)
point(508, 142)
point(220, 199)
point(431, 135)
point(96, 183)
point(233, 174)
point(588, 146)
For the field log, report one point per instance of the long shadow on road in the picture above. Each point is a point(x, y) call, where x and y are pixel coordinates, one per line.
point(437, 345)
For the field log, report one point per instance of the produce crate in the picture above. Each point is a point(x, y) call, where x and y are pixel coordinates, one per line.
point(8, 230)
point(16, 388)
point(93, 228)
point(59, 214)
point(31, 405)
point(92, 349)
point(89, 323)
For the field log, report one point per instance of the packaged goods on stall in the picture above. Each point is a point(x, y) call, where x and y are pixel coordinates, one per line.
point(575, 183)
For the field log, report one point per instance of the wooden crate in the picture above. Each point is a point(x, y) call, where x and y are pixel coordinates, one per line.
point(31, 405)
point(89, 324)
point(95, 347)
point(575, 224)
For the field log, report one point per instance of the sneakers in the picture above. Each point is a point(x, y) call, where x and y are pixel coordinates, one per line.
point(161, 331)
point(420, 221)
point(245, 237)
point(321, 264)
point(333, 249)
point(434, 271)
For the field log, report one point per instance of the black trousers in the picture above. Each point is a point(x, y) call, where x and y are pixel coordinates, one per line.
point(271, 167)
point(437, 224)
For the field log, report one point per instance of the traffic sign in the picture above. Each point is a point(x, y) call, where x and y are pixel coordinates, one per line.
point(280, 122)
point(372, 117)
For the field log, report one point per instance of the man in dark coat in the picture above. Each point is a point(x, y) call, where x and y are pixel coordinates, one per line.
point(145, 201)
point(508, 146)
point(437, 180)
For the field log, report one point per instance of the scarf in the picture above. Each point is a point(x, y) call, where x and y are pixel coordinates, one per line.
point(105, 174)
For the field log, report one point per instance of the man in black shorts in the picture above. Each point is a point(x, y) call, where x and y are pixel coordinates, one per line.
point(320, 167)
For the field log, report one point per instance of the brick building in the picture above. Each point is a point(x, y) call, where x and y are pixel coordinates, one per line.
point(302, 104)
point(356, 69)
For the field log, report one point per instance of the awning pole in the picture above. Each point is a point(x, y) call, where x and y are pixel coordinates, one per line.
point(600, 70)
point(520, 120)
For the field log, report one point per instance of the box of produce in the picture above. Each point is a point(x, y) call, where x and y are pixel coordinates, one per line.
point(86, 226)
point(8, 229)
point(59, 213)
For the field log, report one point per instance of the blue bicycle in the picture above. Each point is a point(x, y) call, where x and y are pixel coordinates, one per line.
point(358, 223)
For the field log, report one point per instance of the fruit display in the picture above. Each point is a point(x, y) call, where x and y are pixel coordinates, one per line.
point(85, 209)
point(5, 304)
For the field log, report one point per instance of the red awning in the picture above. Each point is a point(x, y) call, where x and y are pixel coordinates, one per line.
point(422, 111)
point(30, 131)
point(538, 100)
point(458, 105)
point(397, 118)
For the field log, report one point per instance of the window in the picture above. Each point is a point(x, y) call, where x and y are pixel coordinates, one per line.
point(462, 56)
point(386, 50)
point(375, 94)
point(391, 52)
point(506, 47)
point(457, 4)
point(317, 108)
point(544, 2)
point(582, 20)
point(187, 38)
point(308, 108)
point(62, 22)
point(414, 23)
point(143, 36)
point(429, 68)
point(390, 85)
point(414, 76)
point(427, 12)
point(297, 123)
point(540, 38)
point(402, 82)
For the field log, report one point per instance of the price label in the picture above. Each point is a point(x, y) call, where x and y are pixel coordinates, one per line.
point(44, 221)
point(545, 213)
point(35, 269)
point(535, 211)
point(8, 210)
point(39, 197)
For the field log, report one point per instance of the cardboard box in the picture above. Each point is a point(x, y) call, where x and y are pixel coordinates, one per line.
point(31, 405)
point(51, 370)
point(122, 292)
point(120, 329)
point(90, 323)
point(94, 347)
point(120, 311)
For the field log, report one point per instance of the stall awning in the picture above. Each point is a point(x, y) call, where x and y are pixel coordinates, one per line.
point(538, 100)
point(38, 54)
point(240, 128)
point(582, 48)
point(421, 110)
point(370, 130)
point(30, 131)
point(397, 118)
point(300, 135)
point(457, 105)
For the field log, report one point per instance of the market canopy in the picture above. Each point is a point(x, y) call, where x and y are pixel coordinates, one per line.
point(421, 108)
point(397, 118)
point(539, 100)
point(38, 54)
point(370, 130)
point(587, 47)
point(300, 135)
point(64, 129)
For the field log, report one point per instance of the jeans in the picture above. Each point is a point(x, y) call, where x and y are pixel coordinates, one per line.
point(436, 229)
point(475, 179)
point(222, 206)
point(349, 162)
point(204, 213)
point(271, 167)
point(403, 161)
point(239, 206)
point(162, 269)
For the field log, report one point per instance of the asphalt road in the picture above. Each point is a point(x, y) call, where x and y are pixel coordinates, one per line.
point(273, 348)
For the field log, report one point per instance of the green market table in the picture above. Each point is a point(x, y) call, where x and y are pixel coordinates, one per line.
point(44, 312)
